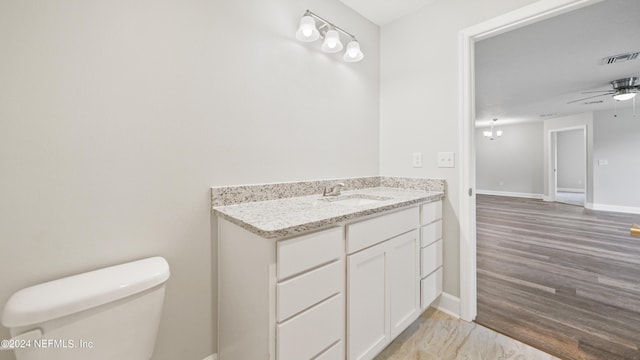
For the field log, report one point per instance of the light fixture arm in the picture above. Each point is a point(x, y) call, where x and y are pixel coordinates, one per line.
point(327, 23)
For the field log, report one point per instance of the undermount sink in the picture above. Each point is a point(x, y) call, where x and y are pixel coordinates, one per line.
point(355, 199)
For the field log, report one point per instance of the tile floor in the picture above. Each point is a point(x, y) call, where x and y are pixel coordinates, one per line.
point(438, 336)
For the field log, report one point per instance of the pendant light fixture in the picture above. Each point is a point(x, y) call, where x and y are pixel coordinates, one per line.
point(312, 27)
point(490, 134)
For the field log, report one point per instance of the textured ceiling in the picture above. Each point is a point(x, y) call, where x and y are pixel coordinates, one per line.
point(385, 11)
point(531, 73)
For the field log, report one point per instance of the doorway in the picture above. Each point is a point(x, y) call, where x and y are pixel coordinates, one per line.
point(568, 173)
point(524, 16)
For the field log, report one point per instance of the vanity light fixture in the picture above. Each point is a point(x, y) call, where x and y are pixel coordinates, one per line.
point(490, 134)
point(312, 27)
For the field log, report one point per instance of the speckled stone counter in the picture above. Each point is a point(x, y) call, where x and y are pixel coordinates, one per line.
point(278, 210)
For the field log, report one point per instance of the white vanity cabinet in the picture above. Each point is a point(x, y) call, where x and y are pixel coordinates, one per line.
point(280, 299)
point(430, 253)
point(340, 293)
point(383, 277)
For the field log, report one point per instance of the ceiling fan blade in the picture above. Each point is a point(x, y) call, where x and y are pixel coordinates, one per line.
point(597, 91)
point(590, 97)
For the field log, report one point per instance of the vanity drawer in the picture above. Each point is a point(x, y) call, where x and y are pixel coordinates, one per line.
point(308, 251)
point(431, 233)
point(370, 232)
point(431, 212)
point(336, 352)
point(431, 288)
point(308, 334)
point(301, 292)
point(431, 258)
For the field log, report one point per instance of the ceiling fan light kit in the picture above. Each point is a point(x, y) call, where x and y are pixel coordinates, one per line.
point(625, 94)
point(622, 90)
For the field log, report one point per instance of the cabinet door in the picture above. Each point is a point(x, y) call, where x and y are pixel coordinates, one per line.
point(367, 302)
point(404, 281)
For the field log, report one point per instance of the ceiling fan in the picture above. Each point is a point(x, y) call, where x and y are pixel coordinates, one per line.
point(623, 89)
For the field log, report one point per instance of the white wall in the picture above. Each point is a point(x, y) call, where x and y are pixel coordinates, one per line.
point(511, 163)
point(116, 117)
point(617, 140)
point(419, 100)
point(612, 138)
point(571, 161)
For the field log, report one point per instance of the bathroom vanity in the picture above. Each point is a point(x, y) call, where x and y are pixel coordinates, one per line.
point(307, 277)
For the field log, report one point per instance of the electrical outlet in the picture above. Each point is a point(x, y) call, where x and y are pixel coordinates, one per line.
point(446, 159)
point(417, 159)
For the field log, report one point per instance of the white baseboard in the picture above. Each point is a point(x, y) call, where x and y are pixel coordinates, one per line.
point(510, 194)
point(448, 304)
point(572, 190)
point(614, 208)
point(211, 357)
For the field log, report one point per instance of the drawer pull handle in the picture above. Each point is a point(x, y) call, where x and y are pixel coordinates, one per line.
point(635, 230)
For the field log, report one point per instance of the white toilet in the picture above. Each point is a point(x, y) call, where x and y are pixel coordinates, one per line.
point(106, 314)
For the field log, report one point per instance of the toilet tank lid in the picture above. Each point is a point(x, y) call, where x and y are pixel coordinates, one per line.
point(58, 298)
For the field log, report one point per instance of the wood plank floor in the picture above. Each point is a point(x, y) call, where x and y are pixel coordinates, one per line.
point(561, 278)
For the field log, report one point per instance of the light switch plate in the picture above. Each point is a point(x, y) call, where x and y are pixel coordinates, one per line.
point(603, 162)
point(446, 160)
point(417, 159)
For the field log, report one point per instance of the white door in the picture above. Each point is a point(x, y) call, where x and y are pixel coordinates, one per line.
point(404, 281)
point(367, 302)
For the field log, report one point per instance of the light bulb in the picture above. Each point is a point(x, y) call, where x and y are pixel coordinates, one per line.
point(307, 30)
point(353, 52)
point(331, 42)
point(624, 96)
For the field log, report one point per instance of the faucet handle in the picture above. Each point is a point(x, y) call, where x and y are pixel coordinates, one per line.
point(333, 190)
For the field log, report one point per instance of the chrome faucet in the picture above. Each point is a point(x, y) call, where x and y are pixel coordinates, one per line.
point(333, 190)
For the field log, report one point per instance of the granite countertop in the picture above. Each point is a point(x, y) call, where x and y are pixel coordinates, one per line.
point(278, 218)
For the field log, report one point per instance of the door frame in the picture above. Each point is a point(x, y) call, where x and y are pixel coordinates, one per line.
point(529, 14)
point(552, 151)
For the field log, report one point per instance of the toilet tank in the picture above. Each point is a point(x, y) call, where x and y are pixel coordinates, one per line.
point(106, 314)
